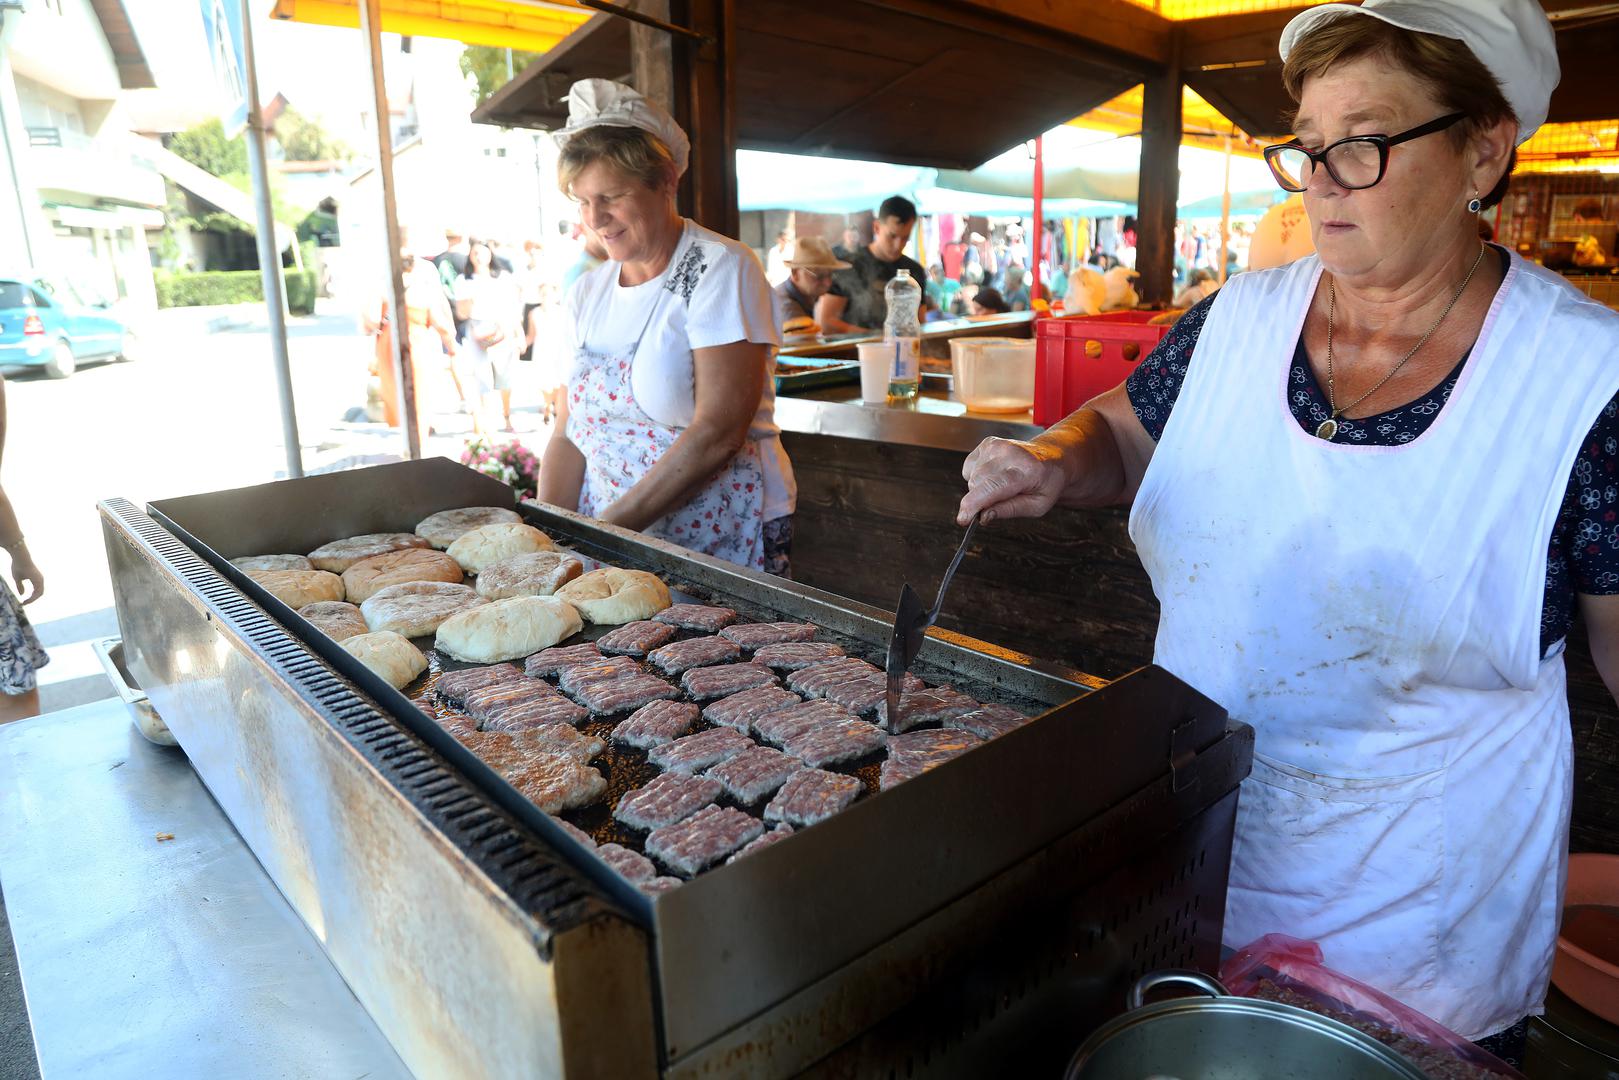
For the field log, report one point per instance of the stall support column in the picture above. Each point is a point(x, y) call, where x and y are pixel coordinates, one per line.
point(1159, 187)
point(1036, 235)
point(707, 72)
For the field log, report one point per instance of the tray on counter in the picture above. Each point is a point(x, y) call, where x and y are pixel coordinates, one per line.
point(808, 372)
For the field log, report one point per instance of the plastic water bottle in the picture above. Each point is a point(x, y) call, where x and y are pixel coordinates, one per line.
point(903, 331)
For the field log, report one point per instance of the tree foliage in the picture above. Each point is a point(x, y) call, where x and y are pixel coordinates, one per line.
point(487, 64)
point(205, 146)
point(303, 139)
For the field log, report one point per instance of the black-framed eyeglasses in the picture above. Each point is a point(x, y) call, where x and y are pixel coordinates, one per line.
point(1354, 163)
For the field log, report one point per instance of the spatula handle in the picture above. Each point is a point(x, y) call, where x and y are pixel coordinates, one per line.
point(950, 571)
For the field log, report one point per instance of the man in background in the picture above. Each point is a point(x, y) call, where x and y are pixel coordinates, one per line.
point(856, 300)
point(810, 271)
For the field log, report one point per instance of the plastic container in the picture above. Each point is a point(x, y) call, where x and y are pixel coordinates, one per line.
point(1086, 355)
point(993, 374)
point(1587, 971)
point(876, 367)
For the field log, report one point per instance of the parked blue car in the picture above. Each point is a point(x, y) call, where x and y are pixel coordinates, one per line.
point(45, 323)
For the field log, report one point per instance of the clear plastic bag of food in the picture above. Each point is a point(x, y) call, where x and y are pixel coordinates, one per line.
point(1288, 970)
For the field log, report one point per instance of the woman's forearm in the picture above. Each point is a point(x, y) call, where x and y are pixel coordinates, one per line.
point(690, 462)
point(1093, 469)
point(562, 470)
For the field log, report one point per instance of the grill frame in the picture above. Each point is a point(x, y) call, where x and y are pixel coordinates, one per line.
point(702, 1001)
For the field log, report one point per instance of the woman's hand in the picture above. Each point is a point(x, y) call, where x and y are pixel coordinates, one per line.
point(1011, 479)
point(30, 582)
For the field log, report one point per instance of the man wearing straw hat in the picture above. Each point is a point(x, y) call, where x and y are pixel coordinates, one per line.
point(811, 267)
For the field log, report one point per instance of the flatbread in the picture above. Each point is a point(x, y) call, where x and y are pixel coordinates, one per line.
point(272, 562)
point(299, 588)
point(507, 629)
point(447, 526)
point(370, 576)
point(611, 597)
point(395, 660)
point(339, 555)
point(416, 608)
point(539, 573)
point(335, 619)
point(489, 544)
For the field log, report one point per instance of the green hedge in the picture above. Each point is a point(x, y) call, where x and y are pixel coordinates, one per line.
point(233, 287)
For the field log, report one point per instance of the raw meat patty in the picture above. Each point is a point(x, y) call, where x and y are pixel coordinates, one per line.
point(550, 738)
point(538, 711)
point(627, 692)
point(574, 678)
point(754, 773)
point(458, 687)
point(838, 741)
point(656, 723)
point(693, 653)
point(707, 683)
point(753, 635)
point(813, 681)
point(694, 753)
point(666, 799)
point(631, 865)
point(697, 617)
point(989, 722)
point(783, 724)
point(811, 796)
point(635, 638)
point(774, 836)
point(574, 831)
point(741, 710)
point(703, 839)
point(554, 660)
point(915, 752)
point(551, 781)
point(863, 695)
point(930, 706)
point(792, 655)
point(660, 884)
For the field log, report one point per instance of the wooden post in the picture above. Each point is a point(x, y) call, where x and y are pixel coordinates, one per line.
point(1035, 237)
point(1159, 188)
point(705, 77)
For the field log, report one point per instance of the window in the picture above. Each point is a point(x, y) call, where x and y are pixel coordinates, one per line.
point(14, 295)
point(41, 300)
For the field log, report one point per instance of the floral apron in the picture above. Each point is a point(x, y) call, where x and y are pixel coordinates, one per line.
point(621, 443)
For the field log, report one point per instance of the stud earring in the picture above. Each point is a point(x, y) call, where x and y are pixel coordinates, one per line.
point(1475, 204)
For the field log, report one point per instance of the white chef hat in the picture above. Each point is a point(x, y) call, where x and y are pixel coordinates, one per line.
point(604, 103)
point(1513, 39)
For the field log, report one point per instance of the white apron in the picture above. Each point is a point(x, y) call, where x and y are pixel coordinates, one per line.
point(621, 443)
point(1374, 613)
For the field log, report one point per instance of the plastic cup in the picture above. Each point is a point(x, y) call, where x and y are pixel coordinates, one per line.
point(876, 363)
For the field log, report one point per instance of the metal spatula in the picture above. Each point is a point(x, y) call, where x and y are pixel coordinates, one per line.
point(911, 622)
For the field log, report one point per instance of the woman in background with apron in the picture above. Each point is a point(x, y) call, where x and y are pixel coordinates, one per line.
point(668, 426)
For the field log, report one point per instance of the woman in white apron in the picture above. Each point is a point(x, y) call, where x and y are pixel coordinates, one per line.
point(668, 426)
point(1369, 502)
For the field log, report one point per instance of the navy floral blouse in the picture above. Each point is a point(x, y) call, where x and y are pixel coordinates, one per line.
point(1583, 552)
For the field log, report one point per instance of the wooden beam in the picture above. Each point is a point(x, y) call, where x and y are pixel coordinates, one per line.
point(1232, 39)
point(705, 78)
point(1160, 181)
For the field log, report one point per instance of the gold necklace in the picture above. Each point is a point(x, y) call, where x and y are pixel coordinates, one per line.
point(1329, 427)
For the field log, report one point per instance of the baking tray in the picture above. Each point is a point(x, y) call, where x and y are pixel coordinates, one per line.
point(824, 371)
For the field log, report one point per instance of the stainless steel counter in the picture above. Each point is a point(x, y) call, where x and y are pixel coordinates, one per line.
point(934, 334)
point(143, 957)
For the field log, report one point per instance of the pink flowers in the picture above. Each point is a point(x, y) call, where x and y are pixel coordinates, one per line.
point(509, 462)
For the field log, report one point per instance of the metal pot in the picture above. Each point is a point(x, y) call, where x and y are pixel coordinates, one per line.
point(1221, 1036)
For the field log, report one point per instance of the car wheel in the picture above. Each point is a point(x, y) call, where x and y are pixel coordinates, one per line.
point(132, 347)
point(61, 363)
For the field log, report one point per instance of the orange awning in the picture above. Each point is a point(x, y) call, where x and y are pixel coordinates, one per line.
point(531, 25)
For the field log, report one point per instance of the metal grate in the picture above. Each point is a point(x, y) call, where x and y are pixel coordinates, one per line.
point(555, 894)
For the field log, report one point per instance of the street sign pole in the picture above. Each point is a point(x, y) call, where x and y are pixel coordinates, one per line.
point(275, 301)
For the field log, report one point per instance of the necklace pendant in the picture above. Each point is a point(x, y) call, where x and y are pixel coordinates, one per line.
point(1327, 429)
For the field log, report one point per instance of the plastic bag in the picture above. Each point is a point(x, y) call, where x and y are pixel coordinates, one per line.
point(1296, 966)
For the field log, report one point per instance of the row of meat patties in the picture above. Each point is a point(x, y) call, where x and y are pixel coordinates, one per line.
point(752, 726)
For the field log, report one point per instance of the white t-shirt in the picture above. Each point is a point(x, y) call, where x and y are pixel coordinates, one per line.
point(714, 292)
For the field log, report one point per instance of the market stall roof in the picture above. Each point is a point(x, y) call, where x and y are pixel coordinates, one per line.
point(913, 83)
point(514, 24)
point(1202, 124)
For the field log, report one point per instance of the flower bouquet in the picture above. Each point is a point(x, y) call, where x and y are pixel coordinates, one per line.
point(509, 462)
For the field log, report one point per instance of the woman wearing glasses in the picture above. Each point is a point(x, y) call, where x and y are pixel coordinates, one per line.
point(1369, 502)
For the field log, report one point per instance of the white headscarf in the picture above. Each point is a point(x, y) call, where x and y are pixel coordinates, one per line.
point(604, 103)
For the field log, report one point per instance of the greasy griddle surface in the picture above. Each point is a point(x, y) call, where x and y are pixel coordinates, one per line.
point(626, 768)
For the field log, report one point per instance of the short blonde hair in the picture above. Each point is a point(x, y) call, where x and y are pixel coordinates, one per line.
point(639, 155)
point(1445, 67)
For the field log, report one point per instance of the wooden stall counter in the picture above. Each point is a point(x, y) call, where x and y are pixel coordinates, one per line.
point(935, 336)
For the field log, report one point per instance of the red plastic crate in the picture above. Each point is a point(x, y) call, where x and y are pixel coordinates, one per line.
point(1066, 376)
